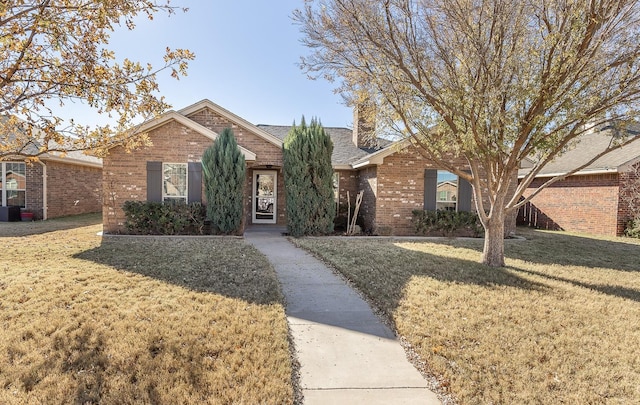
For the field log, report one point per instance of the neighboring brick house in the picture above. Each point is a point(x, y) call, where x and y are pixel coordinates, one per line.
point(591, 200)
point(394, 177)
point(52, 187)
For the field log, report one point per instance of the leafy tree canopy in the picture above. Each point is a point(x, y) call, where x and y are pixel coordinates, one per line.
point(55, 52)
point(493, 81)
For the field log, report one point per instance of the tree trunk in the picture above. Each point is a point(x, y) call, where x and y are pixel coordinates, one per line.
point(493, 252)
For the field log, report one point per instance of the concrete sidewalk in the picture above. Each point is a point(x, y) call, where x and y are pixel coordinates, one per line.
point(346, 355)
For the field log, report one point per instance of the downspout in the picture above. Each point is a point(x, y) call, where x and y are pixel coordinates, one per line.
point(44, 189)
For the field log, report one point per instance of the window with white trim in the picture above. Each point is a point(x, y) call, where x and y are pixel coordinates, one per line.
point(174, 182)
point(13, 184)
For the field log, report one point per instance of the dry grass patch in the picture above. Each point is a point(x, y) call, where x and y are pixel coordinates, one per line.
point(559, 324)
point(139, 320)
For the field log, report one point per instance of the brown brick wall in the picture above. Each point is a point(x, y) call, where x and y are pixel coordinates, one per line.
point(73, 189)
point(34, 200)
point(125, 173)
point(586, 204)
point(398, 184)
point(401, 190)
point(368, 214)
point(348, 182)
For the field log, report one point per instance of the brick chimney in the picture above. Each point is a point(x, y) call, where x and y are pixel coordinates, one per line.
point(364, 127)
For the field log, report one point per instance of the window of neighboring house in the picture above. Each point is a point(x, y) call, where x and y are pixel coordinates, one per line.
point(447, 190)
point(174, 182)
point(13, 183)
point(443, 190)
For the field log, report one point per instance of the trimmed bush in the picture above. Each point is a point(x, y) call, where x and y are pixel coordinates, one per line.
point(156, 218)
point(447, 223)
point(308, 178)
point(223, 167)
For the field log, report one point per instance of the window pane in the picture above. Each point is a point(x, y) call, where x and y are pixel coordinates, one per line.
point(174, 181)
point(15, 197)
point(16, 176)
point(447, 191)
point(336, 186)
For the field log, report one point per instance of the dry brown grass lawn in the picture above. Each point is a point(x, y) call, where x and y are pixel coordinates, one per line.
point(559, 324)
point(137, 320)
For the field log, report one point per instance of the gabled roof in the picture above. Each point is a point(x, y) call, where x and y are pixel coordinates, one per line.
point(589, 145)
point(377, 157)
point(345, 152)
point(178, 117)
point(231, 117)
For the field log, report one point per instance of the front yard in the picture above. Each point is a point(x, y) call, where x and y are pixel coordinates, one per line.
point(137, 320)
point(559, 324)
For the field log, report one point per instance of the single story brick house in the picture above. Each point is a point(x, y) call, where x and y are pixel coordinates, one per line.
point(394, 177)
point(53, 187)
point(590, 201)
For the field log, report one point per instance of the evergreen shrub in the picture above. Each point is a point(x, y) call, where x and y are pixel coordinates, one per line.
point(308, 177)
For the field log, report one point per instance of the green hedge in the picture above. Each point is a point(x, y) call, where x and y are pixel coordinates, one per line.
point(156, 218)
point(447, 223)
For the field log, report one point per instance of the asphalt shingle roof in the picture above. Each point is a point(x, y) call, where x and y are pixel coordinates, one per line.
point(590, 145)
point(344, 150)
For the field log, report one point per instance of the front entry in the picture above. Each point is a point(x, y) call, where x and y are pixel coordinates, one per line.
point(265, 196)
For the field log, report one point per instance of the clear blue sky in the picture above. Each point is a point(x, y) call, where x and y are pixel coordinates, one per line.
point(247, 53)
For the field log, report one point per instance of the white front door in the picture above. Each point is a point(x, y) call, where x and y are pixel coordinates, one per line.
point(265, 196)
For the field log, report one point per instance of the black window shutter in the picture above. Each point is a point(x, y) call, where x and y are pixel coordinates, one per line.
point(195, 182)
point(430, 188)
point(154, 181)
point(464, 195)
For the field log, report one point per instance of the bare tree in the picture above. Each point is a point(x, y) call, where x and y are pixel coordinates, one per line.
point(492, 81)
point(54, 52)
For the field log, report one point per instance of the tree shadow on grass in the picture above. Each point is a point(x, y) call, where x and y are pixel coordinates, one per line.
point(376, 274)
point(615, 290)
point(78, 352)
point(565, 249)
point(225, 266)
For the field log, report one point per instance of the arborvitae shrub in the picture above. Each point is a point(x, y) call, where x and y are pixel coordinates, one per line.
point(223, 167)
point(308, 178)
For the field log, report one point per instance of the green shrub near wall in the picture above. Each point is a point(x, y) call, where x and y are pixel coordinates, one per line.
point(157, 218)
point(223, 167)
point(308, 179)
point(447, 223)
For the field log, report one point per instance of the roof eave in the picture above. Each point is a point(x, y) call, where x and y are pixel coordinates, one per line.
point(607, 170)
point(342, 166)
point(172, 115)
point(70, 160)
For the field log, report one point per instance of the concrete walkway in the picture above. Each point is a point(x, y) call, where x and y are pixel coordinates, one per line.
point(346, 355)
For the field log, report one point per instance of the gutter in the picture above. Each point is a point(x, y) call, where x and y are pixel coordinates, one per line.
point(580, 173)
point(72, 161)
